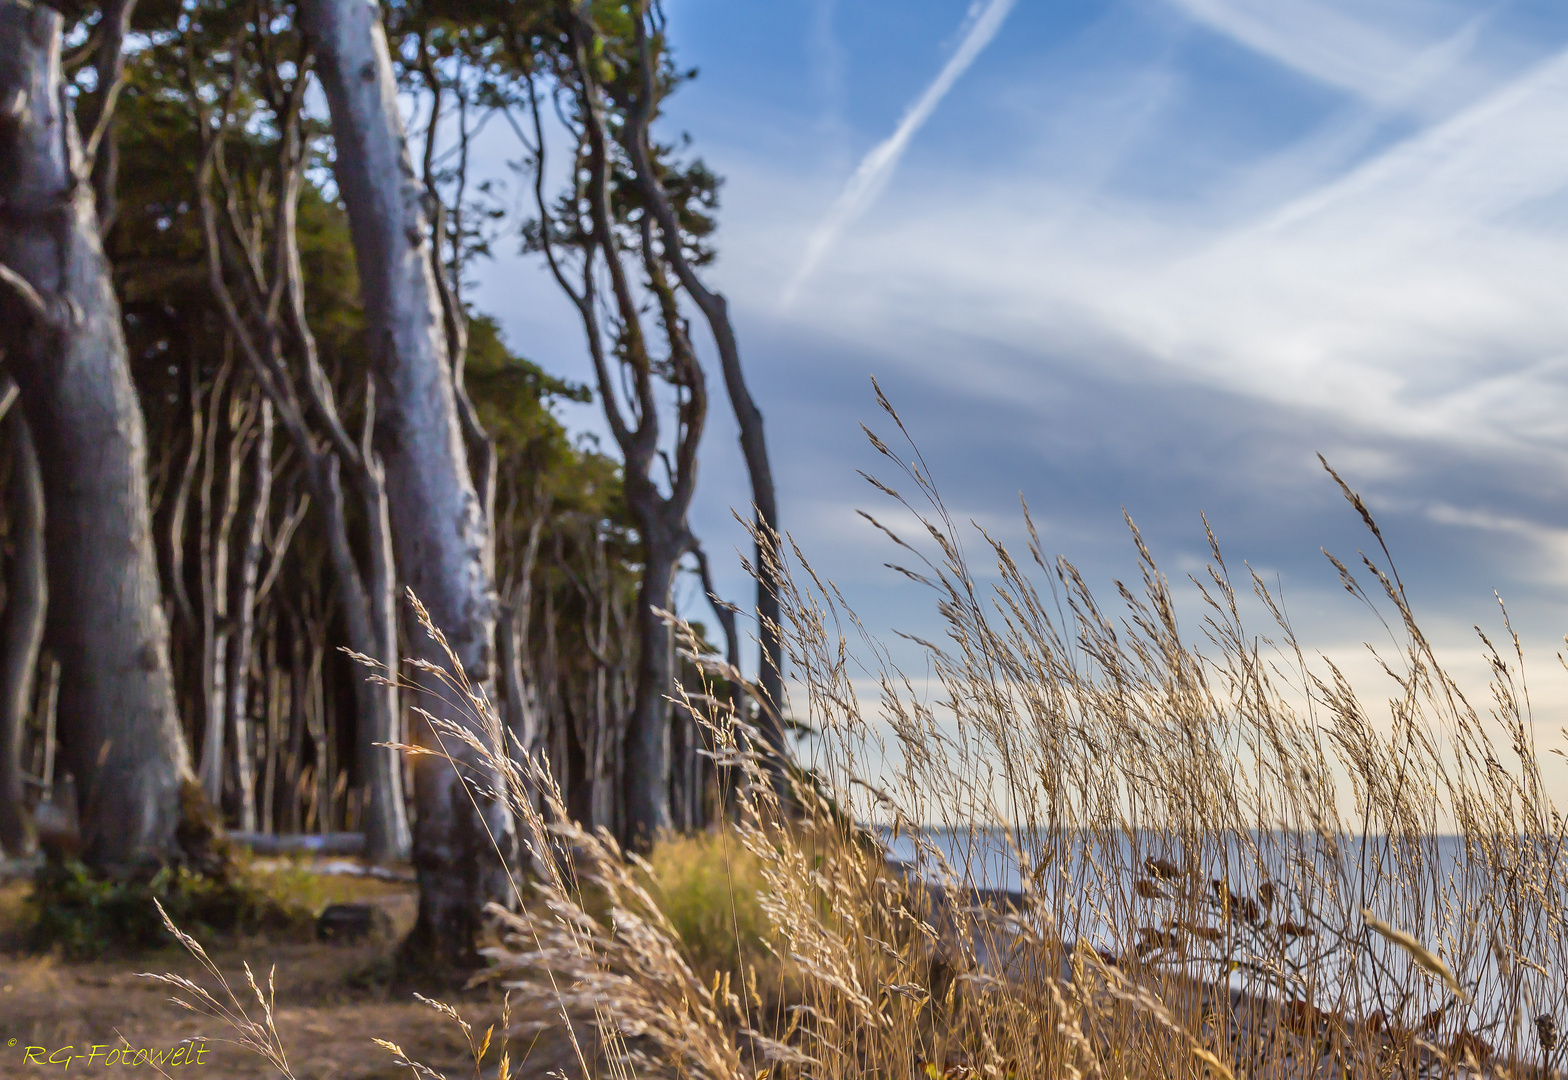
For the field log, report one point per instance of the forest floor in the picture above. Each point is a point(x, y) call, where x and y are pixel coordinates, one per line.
point(332, 1000)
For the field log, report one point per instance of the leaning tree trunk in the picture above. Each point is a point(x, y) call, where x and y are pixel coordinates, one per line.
point(119, 732)
point(463, 841)
point(21, 628)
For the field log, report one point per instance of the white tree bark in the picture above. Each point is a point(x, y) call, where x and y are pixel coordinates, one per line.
point(60, 323)
point(438, 522)
point(216, 587)
point(238, 707)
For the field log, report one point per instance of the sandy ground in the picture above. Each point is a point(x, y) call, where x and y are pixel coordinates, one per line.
point(331, 1001)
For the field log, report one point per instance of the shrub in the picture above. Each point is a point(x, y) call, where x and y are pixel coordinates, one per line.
point(709, 887)
point(86, 914)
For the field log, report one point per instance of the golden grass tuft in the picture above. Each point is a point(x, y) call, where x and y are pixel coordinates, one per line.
point(710, 888)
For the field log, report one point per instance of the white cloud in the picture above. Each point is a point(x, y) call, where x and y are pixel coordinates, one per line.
point(1490, 158)
point(1401, 296)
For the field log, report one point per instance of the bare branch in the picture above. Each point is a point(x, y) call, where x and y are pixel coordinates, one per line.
point(20, 292)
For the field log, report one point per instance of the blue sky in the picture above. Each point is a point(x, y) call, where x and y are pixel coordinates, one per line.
point(1152, 255)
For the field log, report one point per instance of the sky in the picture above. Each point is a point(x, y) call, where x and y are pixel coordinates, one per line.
point(1150, 256)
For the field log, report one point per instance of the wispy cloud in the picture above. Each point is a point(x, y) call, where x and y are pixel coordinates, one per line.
point(1409, 294)
point(1484, 161)
point(877, 167)
point(1384, 68)
point(1548, 544)
point(1411, 297)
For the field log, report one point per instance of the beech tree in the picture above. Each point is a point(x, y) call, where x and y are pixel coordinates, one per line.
point(425, 431)
point(608, 254)
point(634, 226)
point(60, 326)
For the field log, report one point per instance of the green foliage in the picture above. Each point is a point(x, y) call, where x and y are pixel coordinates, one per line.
point(514, 398)
point(543, 474)
point(85, 914)
point(514, 395)
point(293, 884)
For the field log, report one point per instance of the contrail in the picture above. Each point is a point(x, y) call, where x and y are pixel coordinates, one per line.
point(876, 168)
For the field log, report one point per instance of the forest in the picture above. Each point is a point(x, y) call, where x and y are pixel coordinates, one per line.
point(251, 415)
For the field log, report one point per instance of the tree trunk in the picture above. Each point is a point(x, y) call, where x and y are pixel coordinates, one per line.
point(21, 630)
point(522, 698)
point(370, 609)
point(754, 447)
point(119, 732)
point(217, 628)
point(113, 26)
point(294, 777)
point(724, 613)
point(238, 708)
point(276, 681)
point(438, 522)
point(522, 723)
point(646, 794)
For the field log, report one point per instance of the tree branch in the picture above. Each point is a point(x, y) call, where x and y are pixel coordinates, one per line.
point(17, 291)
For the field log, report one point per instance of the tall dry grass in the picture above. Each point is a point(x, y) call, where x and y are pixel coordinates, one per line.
point(1228, 864)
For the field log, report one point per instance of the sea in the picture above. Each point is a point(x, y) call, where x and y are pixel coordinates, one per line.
point(1112, 893)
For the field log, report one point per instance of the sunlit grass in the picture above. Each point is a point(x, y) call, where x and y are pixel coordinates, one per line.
point(709, 886)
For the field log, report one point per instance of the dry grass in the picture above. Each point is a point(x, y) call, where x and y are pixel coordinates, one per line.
point(1200, 892)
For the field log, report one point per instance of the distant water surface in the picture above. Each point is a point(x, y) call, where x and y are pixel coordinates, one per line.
point(1094, 892)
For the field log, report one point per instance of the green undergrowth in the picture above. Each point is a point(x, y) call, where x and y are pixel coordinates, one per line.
point(709, 887)
point(83, 914)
